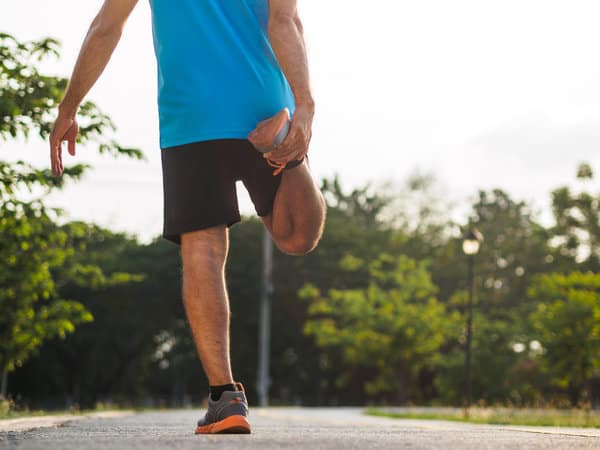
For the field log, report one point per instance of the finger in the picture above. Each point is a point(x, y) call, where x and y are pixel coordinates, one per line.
point(300, 154)
point(52, 156)
point(286, 158)
point(294, 155)
point(72, 146)
point(287, 145)
point(279, 156)
point(297, 156)
point(60, 162)
point(289, 138)
point(55, 163)
point(289, 152)
point(304, 152)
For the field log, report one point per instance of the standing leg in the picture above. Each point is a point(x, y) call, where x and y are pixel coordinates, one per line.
point(204, 254)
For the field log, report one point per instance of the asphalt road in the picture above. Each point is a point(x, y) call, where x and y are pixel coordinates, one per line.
point(295, 428)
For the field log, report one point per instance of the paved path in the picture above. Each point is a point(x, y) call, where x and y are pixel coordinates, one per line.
point(294, 428)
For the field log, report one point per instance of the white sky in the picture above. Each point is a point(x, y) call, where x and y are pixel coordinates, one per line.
point(484, 94)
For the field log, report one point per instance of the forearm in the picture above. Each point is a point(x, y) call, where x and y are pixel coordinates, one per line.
point(287, 40)
point(94, 55)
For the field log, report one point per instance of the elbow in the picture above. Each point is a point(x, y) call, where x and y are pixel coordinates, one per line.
point(105, 29)
point(283, 21)
point(298, 24)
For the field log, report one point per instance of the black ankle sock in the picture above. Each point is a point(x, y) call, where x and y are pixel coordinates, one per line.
point(216, 391)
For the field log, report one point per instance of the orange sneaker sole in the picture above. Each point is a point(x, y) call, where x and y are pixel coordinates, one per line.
point(229, 425)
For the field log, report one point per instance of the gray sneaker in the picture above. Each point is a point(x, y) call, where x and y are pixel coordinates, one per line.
point(229, 414)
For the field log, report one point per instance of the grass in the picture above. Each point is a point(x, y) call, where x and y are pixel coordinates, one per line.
point(19, 413)
point(8, 410)
point(26, 413)
point(499, 416)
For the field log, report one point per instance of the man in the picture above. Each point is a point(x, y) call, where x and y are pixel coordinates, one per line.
point(229, 74)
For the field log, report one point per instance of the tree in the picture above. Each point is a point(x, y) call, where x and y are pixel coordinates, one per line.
point(136, 349)
point(133, 313)
point(394, 326)
point(361, 205)
point(354, 226)
point(567, 321)
point(515, 249)
point(29, 98)
point(32, 309)
point(494, 362)
point(577, 229)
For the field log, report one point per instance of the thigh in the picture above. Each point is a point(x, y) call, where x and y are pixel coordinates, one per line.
point(198, 187)
point(298, 202)
point(259, 181)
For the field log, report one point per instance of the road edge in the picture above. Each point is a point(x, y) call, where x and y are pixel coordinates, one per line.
point(23, 424)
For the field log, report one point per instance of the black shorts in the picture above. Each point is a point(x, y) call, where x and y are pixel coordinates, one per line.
point(199, 184)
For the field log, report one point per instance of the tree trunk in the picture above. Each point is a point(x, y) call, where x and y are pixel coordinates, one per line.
point(574, 392)
point(4, 386)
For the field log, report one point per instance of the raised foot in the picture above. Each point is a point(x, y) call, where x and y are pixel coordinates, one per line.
point(266, 134)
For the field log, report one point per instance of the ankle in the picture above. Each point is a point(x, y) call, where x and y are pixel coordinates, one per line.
point(216, 391)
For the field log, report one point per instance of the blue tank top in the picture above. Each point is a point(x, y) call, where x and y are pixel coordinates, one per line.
point(217, 73)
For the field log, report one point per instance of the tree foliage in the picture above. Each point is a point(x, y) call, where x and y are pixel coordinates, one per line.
point(567, 321)
point(37, 257)
point(577, 229)
point(394, 325)
point(29, 98)
point(376, 312)
point(31, 308)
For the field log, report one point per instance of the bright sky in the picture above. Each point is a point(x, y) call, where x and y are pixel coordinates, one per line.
point(483, 94)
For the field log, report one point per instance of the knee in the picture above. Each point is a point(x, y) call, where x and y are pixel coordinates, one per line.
point(298, 245)
point(303, 240)
point(204, 248)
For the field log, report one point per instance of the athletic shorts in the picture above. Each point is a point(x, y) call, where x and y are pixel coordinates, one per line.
point(199, 184)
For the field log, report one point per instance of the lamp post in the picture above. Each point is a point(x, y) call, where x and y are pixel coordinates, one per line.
point(471, 243)
point(264, 341)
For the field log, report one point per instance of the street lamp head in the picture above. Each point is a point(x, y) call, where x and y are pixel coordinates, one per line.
point(472, 241)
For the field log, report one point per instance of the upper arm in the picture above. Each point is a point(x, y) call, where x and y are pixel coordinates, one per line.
point(282, 10)
point(113, 14)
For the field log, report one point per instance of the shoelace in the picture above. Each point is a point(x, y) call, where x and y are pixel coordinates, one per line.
point(239, 386)
point(278, 166)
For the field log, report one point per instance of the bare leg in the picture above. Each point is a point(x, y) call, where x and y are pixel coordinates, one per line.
point(204, 254)
point(298, 217)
